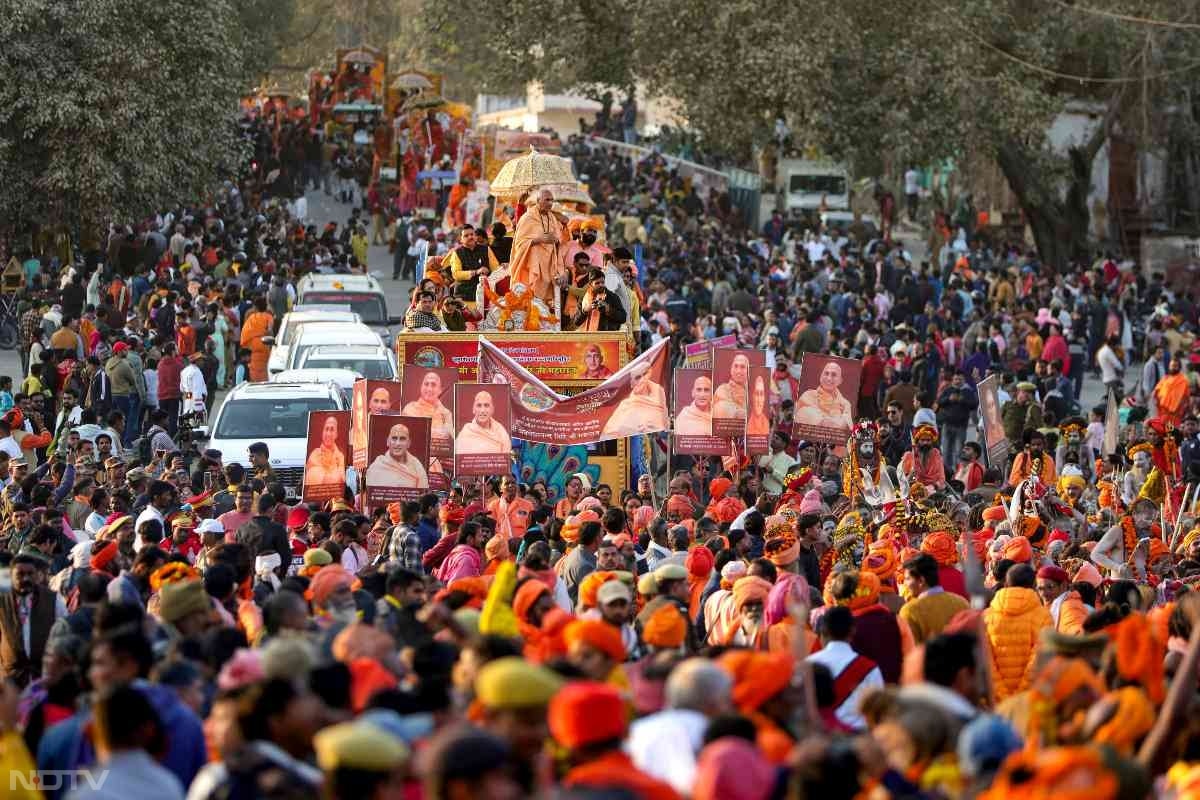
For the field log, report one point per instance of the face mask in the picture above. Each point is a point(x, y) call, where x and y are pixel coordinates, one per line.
point(588, 238)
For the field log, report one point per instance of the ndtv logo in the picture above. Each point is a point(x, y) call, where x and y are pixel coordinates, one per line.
point(57, 780)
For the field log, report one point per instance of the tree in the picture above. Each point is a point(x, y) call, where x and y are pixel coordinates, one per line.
point(112, 109)
point(918, 81)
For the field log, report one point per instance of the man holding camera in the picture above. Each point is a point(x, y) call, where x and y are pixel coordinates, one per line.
point(468, 263)
point(600, 310)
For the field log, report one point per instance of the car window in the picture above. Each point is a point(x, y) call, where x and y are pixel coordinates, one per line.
point(367, 367)
point(368, 305)
point(262, 418)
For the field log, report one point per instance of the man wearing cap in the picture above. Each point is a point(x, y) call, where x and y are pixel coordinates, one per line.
point(124, 384)
point(184, 539)
point(212, 534)
point(1065, 605)
point(1021, 413)
point(513, 696)
point(360, 760)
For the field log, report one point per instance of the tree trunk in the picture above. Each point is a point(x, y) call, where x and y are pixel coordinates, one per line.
point(1060, 221)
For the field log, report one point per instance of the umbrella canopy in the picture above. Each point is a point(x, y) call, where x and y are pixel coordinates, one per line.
point(532, 171)
point(359, 57)
point(571, 193)
point(411, 80)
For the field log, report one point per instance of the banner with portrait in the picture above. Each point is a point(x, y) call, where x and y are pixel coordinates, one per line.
point(483, 417)
point(632, 401)
point(994, 440)
point(758, 420)
point(370, 397)
point(698, 355)
point(398, 461)
point(429, 393)
point(693, 391)
point(828, 399)
point(328, 455)
point(731, 389)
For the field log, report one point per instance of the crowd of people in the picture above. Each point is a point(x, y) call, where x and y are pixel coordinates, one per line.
point(903, 616)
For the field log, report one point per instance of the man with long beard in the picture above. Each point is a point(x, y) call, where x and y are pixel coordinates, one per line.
point(1171, 393)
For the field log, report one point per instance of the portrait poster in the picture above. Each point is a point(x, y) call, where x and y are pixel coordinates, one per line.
point(398, 462)
point(693, 391)
point(483, 416)
point(370, 397)
point(828, 399)
point(698, 355)
point(731, 389)
point(630, 402)
point(328, 455)
point(995, 443)
point(429, 393)
point(758, 420)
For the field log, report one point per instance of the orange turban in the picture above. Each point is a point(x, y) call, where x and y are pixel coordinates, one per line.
point(665, 628)
point(700, 561)
point(574, 224)
point(717, 487)
point(527, 596)
point(942, 547)
point(757, 676)
point(1064, 773)
point(496, 549)
point(881, 560)
point(778, 525)
point(994, 514)
point(590, 585)
point(865, 595)
point(584, 712)
point(980, 540)
point(474, 587)
point(394, 513)
point(103, 557)
point(679, 504)
point(367, 677)
point(1061, 677)
point(570, 529)
point(1133, 719)
point(1018, 549)
point(642, 518)
point(750, 589)
point(598, 634)
point(1139, 654)
point(361, 640)
point(1157, 551)
point(782, 550)
point(328, 580)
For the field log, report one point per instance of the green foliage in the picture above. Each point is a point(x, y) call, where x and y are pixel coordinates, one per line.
point(115, 108)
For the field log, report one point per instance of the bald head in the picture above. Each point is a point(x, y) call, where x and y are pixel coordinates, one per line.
point(700, 685)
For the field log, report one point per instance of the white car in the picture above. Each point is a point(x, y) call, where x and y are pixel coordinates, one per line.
point(368, 361)
point(344, 378)
point(310, 336)
point(276, 414)
point(363, 293)
point(291, 322)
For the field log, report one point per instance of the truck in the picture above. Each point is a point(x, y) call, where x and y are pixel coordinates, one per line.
point(802, 186)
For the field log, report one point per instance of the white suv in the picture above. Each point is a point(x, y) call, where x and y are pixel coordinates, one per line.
point(276, 414)
point(363, 293)
point(291, 322)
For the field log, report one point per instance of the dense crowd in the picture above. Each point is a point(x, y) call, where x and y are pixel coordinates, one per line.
point(901, 617)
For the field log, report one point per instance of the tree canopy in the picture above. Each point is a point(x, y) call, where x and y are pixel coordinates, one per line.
point(116, 108)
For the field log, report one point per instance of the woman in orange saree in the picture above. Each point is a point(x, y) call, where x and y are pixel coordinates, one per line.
point(258, 323)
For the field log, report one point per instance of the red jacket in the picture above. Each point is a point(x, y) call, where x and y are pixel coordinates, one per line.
point(169, 368)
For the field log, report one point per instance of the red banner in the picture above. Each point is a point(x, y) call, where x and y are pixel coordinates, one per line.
point(758, 422)
point(555, 358)
point(693, 415)
point(632, 401)
point(370, 397)
point(482, 443)
point(398, 458)
point(828, 398)
point(731, 389)
point(328, 448)
point(429, 393)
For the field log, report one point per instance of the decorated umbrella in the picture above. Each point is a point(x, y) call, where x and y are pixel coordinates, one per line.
point(571, 193)
point(411, 80)
point(359, 57)
point(532, 171)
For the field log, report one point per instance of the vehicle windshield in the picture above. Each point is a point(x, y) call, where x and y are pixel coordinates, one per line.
point(369, 306)
point(366, 366)
point(817, 184)
point(288, 332)
point(253, 418)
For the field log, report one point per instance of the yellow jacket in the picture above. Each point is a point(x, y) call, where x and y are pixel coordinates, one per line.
point(1014, 621)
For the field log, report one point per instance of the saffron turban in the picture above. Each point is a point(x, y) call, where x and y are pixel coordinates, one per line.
point(666, 628)
point(590, 504)
point(942, 547)
point(750, 589)
point(642, 518)
point(1018, 549)
point(527, 596)
point(717, 487)
point(590, 586)
point(394, 514)
point(1087, 573)
point(1132, 719)
point(1067, 773)
point(881, 560)
point(995, 514)
point(782, 550)
point(367, 678)
point(584, 712)
point(1139, 654)
point(757, 676)
point(327, 581)
point(865, 595)
point(496, 548)
point(598, 634)
point(700, 561)
point(679, 504)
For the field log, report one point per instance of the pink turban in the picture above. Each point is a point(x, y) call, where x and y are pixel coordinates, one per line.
point(812, 502)
point(789, 587)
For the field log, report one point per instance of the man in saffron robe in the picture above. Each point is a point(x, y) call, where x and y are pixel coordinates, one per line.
point(327, 464)
point(259, 323)
point(1171, 393)
point(538, 249)
point(643, 411)
point(483, 434)
point(825, 406)
point(729, 401)
point(758, 423)
point(695, 419)
point(429, 405)
point(397, 467)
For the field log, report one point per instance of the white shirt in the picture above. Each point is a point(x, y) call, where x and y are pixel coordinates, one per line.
point(149, 512)
point(9, 445)
point(1110, 366)
point(191, 382)
point(775, 468)
point(656, 745)
point(836, 656)
point(354, 558)
point(912, 182)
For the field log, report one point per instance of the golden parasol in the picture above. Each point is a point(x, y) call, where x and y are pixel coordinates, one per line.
point(359, 56)
point(532, 171)
point(411, 80)
point(571, 193)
